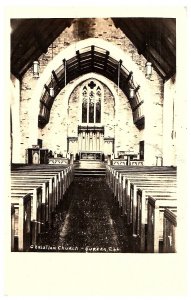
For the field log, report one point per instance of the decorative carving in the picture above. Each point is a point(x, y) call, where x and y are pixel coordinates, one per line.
point(136, 163)
point(58, 161)
point(117, 162)
point(90, 129)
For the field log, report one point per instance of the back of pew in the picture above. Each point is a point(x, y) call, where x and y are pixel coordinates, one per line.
point(12, 227)
point(66, 170)
point(130, 199)
point(21, 217)
point(48, 195)
point(43, 175)
point(63, 177)
point(120, 179)
point(155, 179)
point(152, 187)
point(36, 209)
point(144, 176)
point(25, 184)
point(140, 216)
point(56, 192)
point(111, 172)
point(40, 178)
point(169, 231)
point(156, 208)
point(118, 176)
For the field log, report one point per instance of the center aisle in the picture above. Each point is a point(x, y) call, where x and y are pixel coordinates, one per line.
point(88, 220)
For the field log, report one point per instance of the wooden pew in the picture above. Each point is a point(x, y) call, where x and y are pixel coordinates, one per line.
point(134, 184)
point(140, 221)
point(42, 175)
point(169, 231)
point(156, 208)
point(55, 194)
point(149, 174)
point(67, 170)
point(114, 173)
point(21, 217)
point(41, 178)
point(12, 227)
point(53, 183)
point(124, 194)
point(36, 209)
point(20, 184)
point(65, 176)
point(118, 182)
point(47, 194)
point(131, 187)
point(44, 170)
point(140, 178)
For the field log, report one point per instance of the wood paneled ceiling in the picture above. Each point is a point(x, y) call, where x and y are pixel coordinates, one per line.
point(90, 59)
point(154, 38)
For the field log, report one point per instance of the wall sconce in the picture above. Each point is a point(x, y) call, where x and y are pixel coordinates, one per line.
point(36, 69)
point(148, 70)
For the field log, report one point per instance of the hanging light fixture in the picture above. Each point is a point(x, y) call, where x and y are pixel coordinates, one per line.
point(52, 87)
point(148, 65)
point(148, 69)
point(51, 92)
point(36, 69)
point(131, 93)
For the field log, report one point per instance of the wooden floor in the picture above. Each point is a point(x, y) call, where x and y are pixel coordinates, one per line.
point(88, 220)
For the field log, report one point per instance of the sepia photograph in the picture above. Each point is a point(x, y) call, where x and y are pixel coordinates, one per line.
point(93, 134)
point(94, 143)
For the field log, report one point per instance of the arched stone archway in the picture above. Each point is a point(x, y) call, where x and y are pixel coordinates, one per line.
point(115, 52)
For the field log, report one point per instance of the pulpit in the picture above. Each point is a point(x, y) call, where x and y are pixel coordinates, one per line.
point(36, 155)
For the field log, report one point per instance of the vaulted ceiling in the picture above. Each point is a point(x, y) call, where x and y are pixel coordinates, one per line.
point(154, 38)
point(90, 59)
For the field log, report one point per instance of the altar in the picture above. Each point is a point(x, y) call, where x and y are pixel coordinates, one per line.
point(90, 155)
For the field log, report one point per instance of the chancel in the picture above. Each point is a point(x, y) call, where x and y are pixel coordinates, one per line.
point(93, 134)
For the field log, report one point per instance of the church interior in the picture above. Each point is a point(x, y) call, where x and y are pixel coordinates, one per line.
point(93, 114)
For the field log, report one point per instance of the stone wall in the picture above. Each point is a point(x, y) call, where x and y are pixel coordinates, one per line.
point(169, 122)
point(15, 120)
point(117, 124)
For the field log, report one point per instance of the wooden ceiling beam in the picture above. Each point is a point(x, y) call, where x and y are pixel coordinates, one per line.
point(42, 32)
point(56, 78)
point(152, 52)
point(129, 76)
point(129, 32)
point(92, 57)
point(78, 58)
point(159, 61)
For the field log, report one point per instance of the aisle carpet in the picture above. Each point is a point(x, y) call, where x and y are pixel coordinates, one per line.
point(87, 220)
